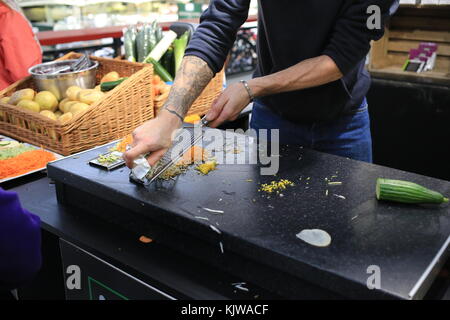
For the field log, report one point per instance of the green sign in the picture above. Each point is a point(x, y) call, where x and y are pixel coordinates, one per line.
point(189, 10)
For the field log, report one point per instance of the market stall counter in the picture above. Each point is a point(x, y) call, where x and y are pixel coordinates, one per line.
point(227, 222)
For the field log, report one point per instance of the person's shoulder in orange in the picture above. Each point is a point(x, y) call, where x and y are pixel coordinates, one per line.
point(19, 49)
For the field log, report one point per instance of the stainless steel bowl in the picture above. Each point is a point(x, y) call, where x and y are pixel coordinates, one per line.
point(58, 83)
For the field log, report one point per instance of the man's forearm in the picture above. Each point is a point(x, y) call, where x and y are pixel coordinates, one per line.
point(306, 74)
point(193, 76)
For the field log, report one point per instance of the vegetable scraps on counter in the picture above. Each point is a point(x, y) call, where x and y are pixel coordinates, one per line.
point(206, 167)
point(276, 186)
point(315, 237)
point(195, 155)
point(145, 239)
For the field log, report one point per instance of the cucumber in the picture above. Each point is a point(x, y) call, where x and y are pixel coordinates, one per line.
point(179, 46)
point(406, 192)
point(167, 61)
point(158, 33)
point(129, 42)
point(151, 39)
point(142, 44)
point(159, 69)
point(109, 85)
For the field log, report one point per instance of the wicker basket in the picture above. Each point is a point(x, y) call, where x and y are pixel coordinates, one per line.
point(120, 111)
point(205, 100)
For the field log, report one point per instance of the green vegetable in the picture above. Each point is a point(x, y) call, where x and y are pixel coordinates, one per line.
point(107, 159)
point(129, 42)
point(162, 46)
point(406, 192)
point(158, 33)
point(179, 49)
point(15, 151)
point(140, 44)
point(109, 85)
point(154, 28)
point(159, 69)
point(143, 43)
point(152, 41)
point(167, 61)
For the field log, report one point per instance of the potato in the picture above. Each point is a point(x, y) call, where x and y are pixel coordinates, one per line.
point(68, 105)
point(58, 114)
point(51, 133)
point(5, 100)
point(89, 96)
point(24, 94)
point(48, 114)
point(62, 103)
point(47, 101)
point(65, 117)
point(98, 88)
point(111, 76)
point(78, 108)
point(72, 92)
point(30, 105)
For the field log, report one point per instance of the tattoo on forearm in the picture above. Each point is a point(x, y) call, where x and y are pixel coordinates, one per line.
point(191, 79)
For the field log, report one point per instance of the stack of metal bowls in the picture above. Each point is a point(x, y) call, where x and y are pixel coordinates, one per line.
point(51, 77)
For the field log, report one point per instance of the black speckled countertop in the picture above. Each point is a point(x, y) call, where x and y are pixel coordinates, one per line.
point(408, 243)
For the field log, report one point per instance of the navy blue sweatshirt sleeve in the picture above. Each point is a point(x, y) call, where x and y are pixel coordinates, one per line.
point(350, 40)
point(216, 33)
point(20, 242)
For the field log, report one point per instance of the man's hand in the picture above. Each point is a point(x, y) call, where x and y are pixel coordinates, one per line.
point(228, 105)
point(154, 136)
point(306, 74)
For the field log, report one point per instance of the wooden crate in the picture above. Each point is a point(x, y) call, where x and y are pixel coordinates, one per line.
point(410, 26)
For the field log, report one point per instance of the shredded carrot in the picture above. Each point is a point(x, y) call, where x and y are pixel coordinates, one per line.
point(194, 154)
point(122, 145)
point(194, 118)
point(24, 163)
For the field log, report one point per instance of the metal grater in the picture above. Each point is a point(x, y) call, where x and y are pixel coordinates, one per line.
point(167, 161)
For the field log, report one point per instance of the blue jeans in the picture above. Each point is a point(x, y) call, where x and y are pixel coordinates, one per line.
point(348, 136)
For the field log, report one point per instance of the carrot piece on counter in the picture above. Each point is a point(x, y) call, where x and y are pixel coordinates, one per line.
point(145, 239)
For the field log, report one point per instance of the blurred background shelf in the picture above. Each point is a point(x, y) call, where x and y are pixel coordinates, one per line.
point(410, 26)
